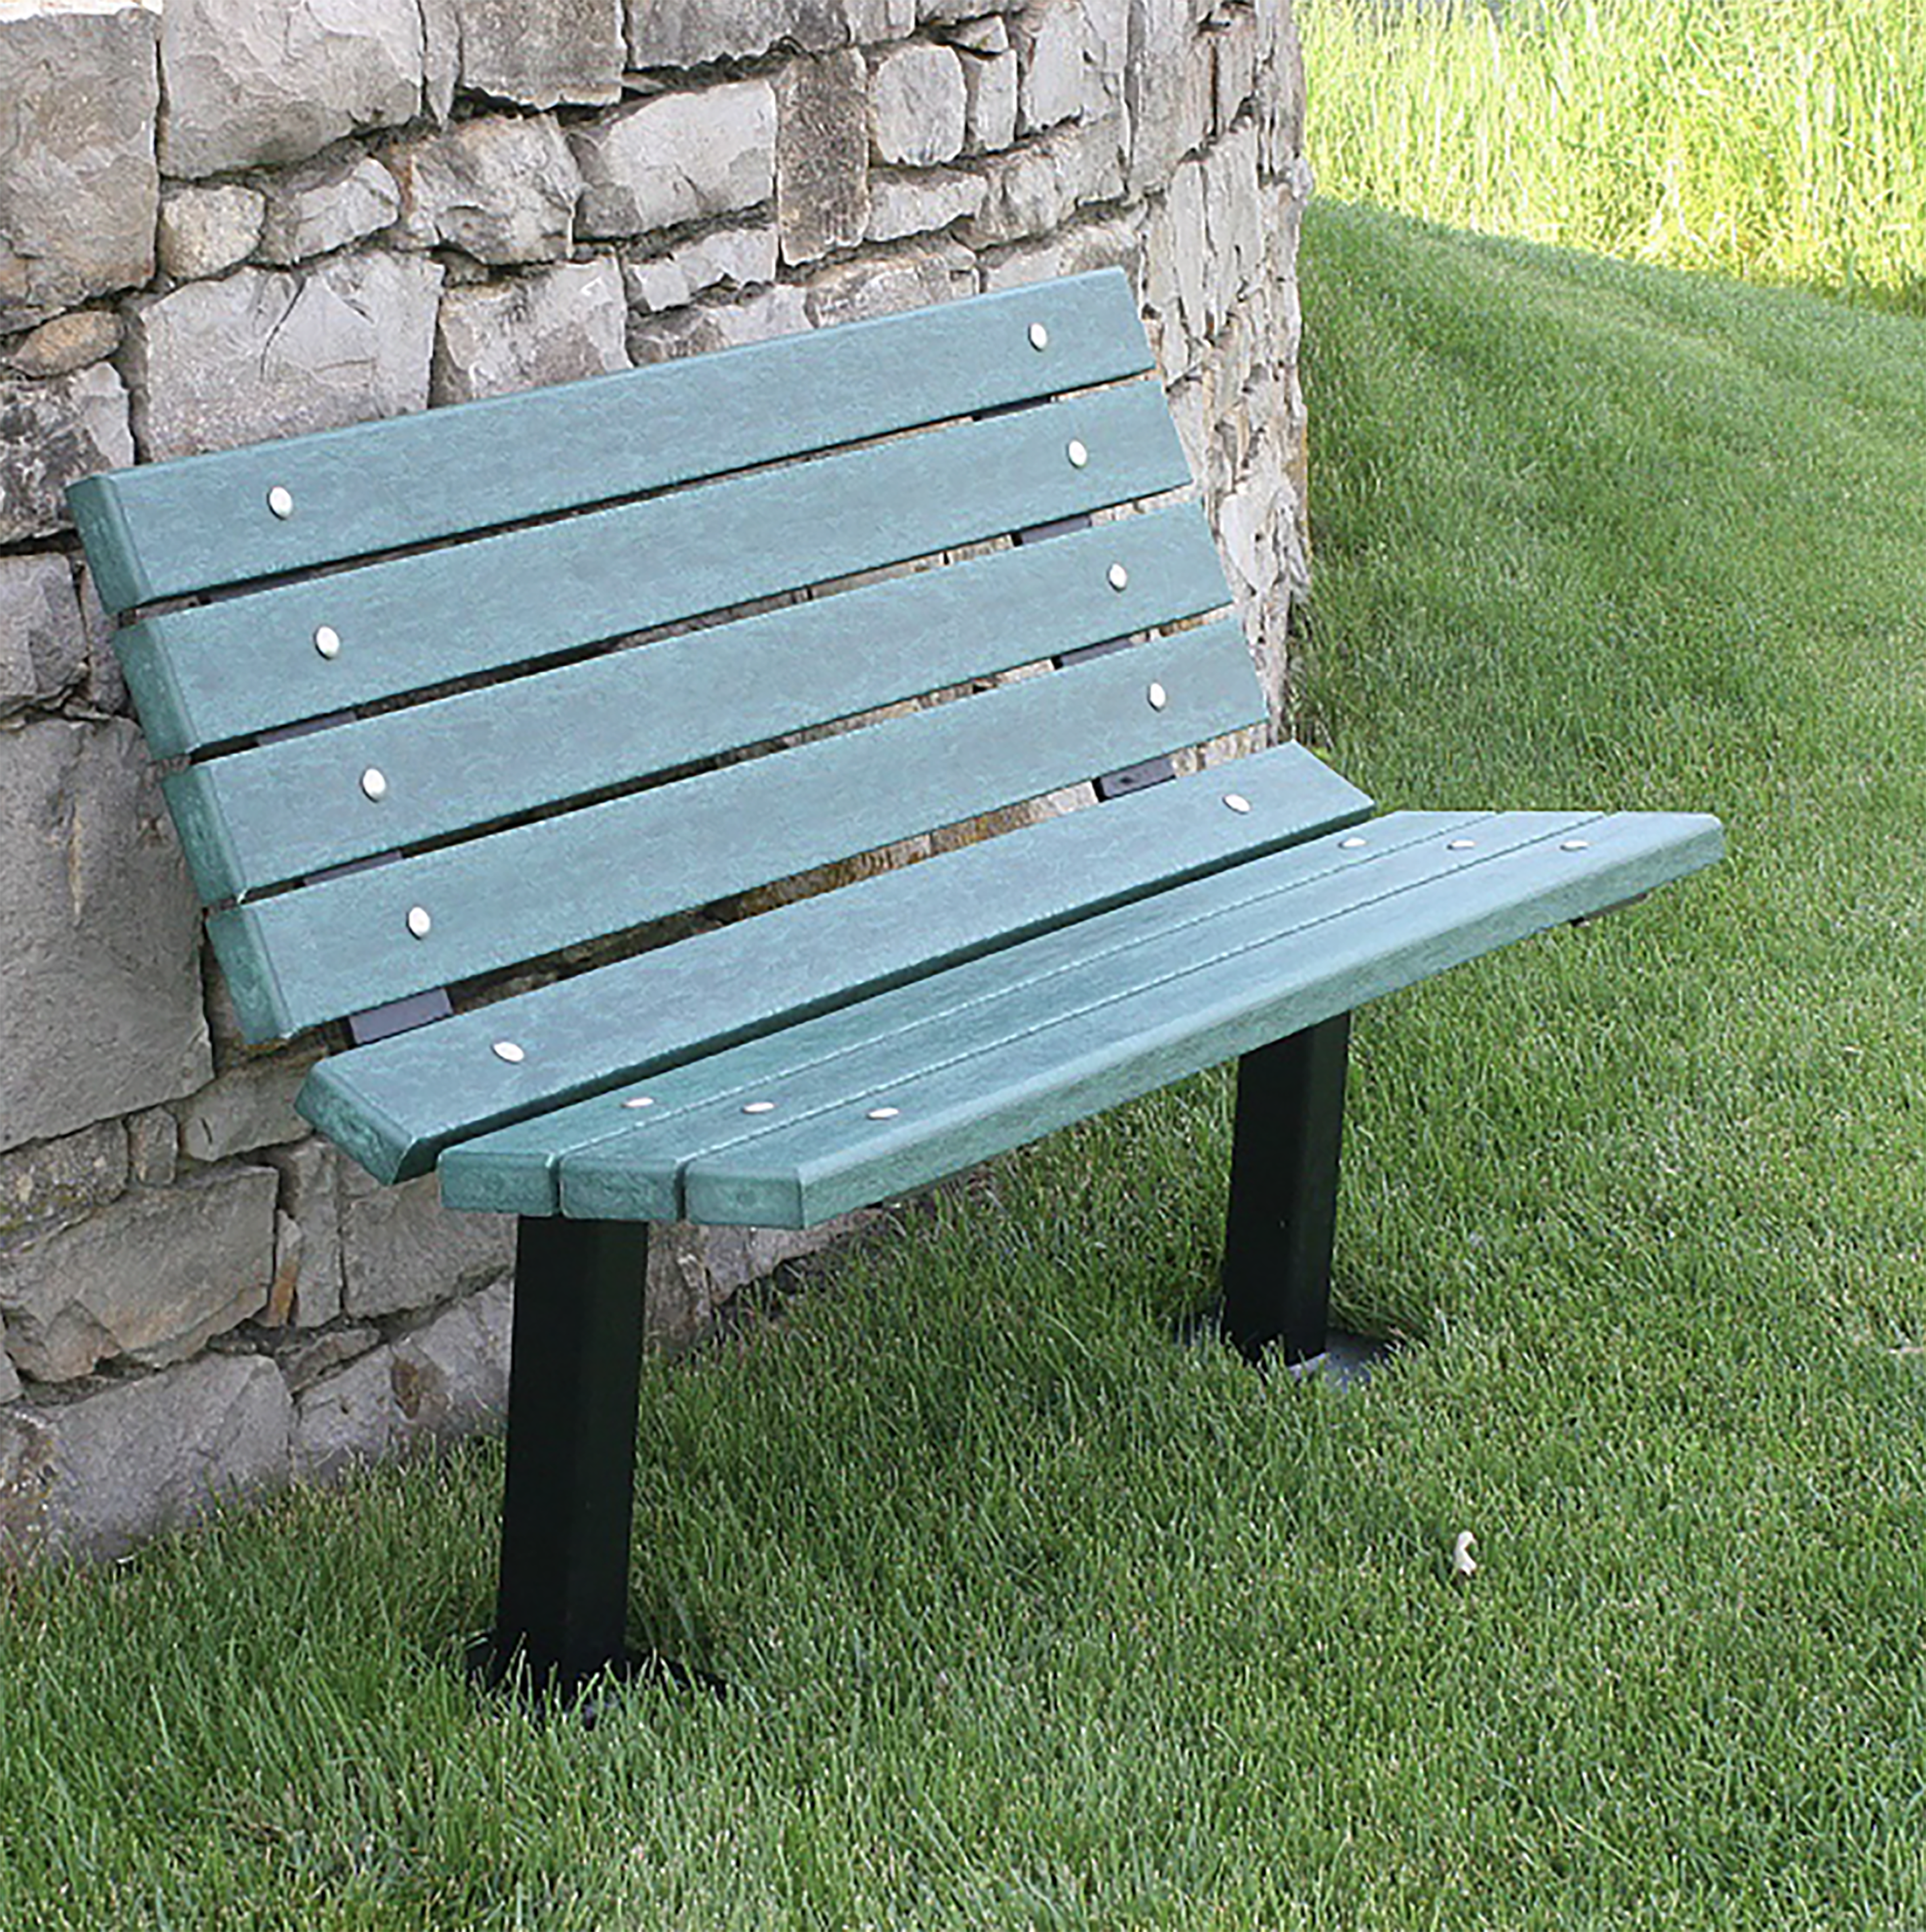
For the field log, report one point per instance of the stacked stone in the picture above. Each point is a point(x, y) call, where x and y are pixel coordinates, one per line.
point(224, 220)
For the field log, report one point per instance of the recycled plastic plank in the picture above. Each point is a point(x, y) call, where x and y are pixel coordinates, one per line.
point(355, 939)
point(253, 663)
point(296, 807)
point(910, 1104)
point(205, 521)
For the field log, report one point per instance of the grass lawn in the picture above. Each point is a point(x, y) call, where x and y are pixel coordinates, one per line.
point(1035, 1619)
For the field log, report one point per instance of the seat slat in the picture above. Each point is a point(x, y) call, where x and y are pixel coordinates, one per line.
point(394, 1105)
point(628, 1162)
point(250, 664)
point(346, 943)
point(296, 807)
point(697, 1108)
point(1052, 1046)
point(203, 522)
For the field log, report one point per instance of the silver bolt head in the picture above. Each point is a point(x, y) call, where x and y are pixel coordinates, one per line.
point(1040, 336)
point(639, 1100)
point(1236, 801)
point(1576, 845)
point(419, 923)
point(1119, 577)
point(327, 640)
point(1461, 845)
point(1159, 697)
point(373, 784)
point(884, 1113)
point(507, 1049)
point(280, 501)
point(759, 1107)
point(1076, 452)
point(1352, 844)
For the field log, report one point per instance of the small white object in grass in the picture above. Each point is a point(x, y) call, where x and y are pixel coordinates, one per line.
point(1463, 1563)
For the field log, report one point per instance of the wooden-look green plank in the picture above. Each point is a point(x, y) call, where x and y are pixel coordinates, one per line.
point(351, 942)
point(696, 1107)
point(1041, 1061)
point(395, 1105)
point(250, 664)
point(627, 1165)
point(295, 808)
point(189, 526)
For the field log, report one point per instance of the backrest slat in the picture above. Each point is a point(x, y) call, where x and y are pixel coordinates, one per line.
point(206, 521)
point(305, 956)
point(251, 663)
point(262, 817)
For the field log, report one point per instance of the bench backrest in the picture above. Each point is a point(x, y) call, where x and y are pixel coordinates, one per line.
point(449, 693)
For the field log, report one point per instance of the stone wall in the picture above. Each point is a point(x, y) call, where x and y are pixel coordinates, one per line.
point(227, 219)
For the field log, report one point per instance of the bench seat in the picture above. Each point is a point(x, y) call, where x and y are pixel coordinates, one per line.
point(910, 1084)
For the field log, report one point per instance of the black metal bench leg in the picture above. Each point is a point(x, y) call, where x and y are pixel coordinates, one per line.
point(575, 1368)
point(1283, 1204)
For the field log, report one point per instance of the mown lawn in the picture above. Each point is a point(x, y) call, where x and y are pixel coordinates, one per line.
point(1034, 1618)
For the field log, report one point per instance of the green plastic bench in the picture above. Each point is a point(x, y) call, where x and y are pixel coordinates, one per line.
point(411, 742)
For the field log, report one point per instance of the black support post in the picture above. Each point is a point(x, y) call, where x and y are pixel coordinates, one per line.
point(575, 1369)
point(1283, 1204)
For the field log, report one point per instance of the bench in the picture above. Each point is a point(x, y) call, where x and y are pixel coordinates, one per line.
point(446, 697)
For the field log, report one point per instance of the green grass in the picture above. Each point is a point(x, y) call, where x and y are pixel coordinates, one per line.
point(1036, 1620)
point(1780, 140)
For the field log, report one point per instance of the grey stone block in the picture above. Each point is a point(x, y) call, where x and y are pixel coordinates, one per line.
point(161, 1452)
point(345, 1419)
point(822, 155)
point(308, 1272)
point(99, 983)
point(249, 85)
point(248, 1106)
point(871, 20)
point(695, 1272)
point(43, 645)
point(79, 90)
point(690, 33)
point(921, 203)
point(558, 326)
point(858, 290)
point(781, 310)
point(916, 105)
point(10, 1389)
point(1168, 90)
point(540, 56)
point(66, 343)
point(679, 157)
point(205, 231)
point(326, 204)
point(740, 258)
point(62, 1176)
point(1076, 250)
point(401, 1248)
point(502, 188)
point(106, 688)
point(26, 1477)
point(51, 434)
point(1055, 87)
point(151, 1277)
point(989, 35)
point(1035, 189)
point(989, 89)
point(446, 1379)
point(266, 353)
